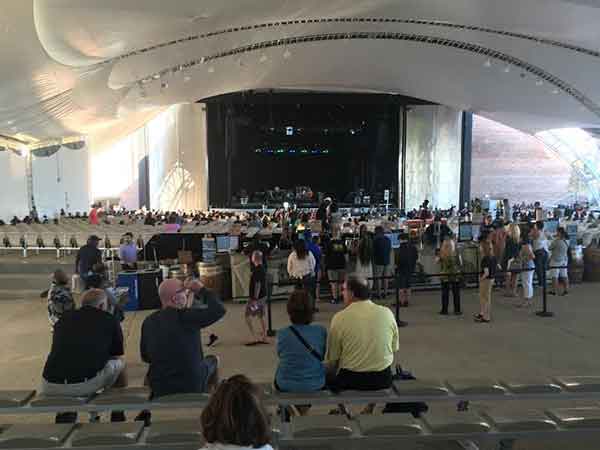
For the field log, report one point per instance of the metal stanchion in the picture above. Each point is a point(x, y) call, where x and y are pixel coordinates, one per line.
point(544, 312)
point(270, 331)
point(399, 322)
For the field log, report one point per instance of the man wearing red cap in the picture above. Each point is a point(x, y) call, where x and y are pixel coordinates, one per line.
point(171, 340)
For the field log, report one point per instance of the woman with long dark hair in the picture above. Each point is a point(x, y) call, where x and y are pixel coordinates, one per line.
point(301, 267)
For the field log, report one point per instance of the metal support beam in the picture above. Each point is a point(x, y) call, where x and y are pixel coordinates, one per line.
point(466, 158)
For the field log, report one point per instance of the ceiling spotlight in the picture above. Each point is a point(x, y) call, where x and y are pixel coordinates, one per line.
point(488, 63)
point(10, 122)
point(263, 58)
point(555, 91)
point(507, 68)
point(287, 54)
point(187, 78)
point(211, 69)
point(156, 76)
point(539, 82)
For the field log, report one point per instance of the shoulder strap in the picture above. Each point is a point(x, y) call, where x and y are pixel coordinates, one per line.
point(310, 349)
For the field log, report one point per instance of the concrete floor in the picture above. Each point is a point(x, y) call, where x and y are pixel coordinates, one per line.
point(516, 344)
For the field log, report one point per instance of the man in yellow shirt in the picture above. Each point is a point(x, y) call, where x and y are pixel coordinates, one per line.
point(362, 341)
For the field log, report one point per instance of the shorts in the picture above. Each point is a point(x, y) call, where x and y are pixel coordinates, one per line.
point(403, 280)
point(104, 379)
point(559, 273)
point(255, 308)
point(382, 271)
point(336, 275)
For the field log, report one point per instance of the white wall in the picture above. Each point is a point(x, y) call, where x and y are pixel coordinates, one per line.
point(61, 181)
point(13, 186)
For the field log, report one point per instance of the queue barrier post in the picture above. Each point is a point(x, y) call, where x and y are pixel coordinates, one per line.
point(270, 331)
point(544, 312)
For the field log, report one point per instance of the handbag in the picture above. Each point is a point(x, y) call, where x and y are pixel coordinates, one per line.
point(309, 347)
point(414, 408)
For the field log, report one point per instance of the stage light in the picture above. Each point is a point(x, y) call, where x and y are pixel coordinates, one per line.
point(507, 68)
point(555, 91)
point(352, 132)
point(286, 205)
point(263, 58)
point(487, 63)
point(287, 54)
point(539, 83)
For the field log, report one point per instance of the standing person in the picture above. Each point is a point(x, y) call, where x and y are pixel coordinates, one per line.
point(382, 248)
point(300, 348)
point(559, 260)
point(511, 261)
point(87, 257)
point(94, 218)
point(486, 282)
point(498, 238)
point(255, 308)
point(406, 264)
point(128, 252)
point(301, 267)
point(540, 250)
point(312, 244)
point(235, 418)
point(364, 259)
point(60, 298)
point(335, 260)
point(527, 258)
point(450, 267)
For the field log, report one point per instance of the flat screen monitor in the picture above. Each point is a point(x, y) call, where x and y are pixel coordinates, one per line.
point(223, 244)
point(234, 243)
point(465, 232)
point(551, 226)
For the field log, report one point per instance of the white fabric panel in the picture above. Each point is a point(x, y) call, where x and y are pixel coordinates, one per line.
point(433, 156)
point(13, 186)
point(61, 181)
point(178, 159)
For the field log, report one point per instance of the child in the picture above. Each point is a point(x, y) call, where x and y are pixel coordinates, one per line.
point(60, 298)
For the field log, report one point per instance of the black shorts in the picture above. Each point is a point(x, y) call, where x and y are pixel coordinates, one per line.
point(361, 381)
point(403, 280)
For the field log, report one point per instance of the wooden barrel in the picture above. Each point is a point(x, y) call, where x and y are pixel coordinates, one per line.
point(213, 277)
point(591, 258)
point(576, 267)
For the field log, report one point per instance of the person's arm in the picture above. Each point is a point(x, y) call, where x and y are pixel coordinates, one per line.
point(334, 348)
point(290, 264)
point(311, 262)
point(204, 317)
point(144, 353)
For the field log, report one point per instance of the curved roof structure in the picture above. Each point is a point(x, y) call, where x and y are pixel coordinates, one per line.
point(70, 67)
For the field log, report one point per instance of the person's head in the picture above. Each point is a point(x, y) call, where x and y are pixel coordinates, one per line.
point(539, 225)
point(561, 233)
point(378, 230)
point(173, 294)
point(128, 238)
point(236, 416)
point(448, 249)
point(514, 231)
point(356, 289)
point(299, 308)
point(257, 257)
point(300, 249)
point(488, 220)
point(486, 248)
point(95, 298)
point(60, 277)
point(93, 240)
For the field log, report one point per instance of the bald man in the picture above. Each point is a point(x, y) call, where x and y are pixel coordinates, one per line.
point(171, 342)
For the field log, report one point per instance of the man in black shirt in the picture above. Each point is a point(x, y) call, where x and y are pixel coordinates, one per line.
point(255, 308)
point(87, 257)
point(407, 257)
point(171, 341)
point(335, 260)
point(87, 345)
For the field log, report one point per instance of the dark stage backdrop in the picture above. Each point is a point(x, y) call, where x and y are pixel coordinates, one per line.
point(333, 147)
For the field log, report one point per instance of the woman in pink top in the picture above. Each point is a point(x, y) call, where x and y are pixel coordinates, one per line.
point(93, 218)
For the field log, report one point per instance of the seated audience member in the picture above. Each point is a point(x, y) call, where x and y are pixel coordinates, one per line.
point(255, 308)
point(301, 348)
point(362, 341)
point(85, 357)
point(235, 418)
point(171, 344)
point(60, 298)
point(128, 252)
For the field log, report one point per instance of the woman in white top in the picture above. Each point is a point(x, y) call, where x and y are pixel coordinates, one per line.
point(364, 259)
point(235, 418)
point(527, 259)
point(301, 267)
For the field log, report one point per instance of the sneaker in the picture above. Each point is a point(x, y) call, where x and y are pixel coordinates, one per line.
point(144, 416)
point(212, 339)
point(443, 313)
point(458, 313)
